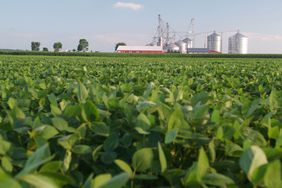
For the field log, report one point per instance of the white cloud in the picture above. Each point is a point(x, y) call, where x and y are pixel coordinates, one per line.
point(128, 5)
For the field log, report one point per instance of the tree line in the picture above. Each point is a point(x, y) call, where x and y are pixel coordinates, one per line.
point(83, 46)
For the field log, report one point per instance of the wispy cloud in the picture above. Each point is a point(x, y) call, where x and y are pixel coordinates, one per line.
point(128, 5)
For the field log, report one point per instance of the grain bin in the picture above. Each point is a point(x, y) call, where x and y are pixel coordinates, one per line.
point(189, 42)
point(238, 44)
point(214, 42)
point(173, 48)
point(182, 47)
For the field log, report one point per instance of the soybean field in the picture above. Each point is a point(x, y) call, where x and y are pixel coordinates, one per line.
point(134, 122)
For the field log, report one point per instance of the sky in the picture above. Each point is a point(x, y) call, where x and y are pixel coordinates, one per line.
point(105, 22)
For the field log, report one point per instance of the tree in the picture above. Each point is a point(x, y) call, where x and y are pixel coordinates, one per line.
point(35, 46)
point(45, 49)
point(83, 45)
point(57, 46)
point(119, 44)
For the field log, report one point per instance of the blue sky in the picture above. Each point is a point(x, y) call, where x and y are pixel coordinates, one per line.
point(104, 23)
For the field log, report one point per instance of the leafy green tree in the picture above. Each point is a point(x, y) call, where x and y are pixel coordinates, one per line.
point(35, 46)
point(57, 46)
point(45, 49)
point(83, 45)
point(119, 44)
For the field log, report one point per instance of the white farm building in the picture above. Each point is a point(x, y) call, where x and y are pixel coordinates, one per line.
point(140, 49)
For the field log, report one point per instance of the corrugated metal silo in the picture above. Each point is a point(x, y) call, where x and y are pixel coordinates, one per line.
point(238, 44)
point(182, 47)
point(189, 42)
point(214, 42)
point(173, 48)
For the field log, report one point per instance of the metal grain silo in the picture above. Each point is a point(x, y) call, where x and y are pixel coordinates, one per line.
point(189, 42)
point(173, 48)
point(182, 47)
point(238, 44)
point(214, 42)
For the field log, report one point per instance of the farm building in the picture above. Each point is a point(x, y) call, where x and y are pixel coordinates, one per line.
point(140, 49)
point(198, 50)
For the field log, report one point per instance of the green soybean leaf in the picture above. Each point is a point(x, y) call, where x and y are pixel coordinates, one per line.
point(145, 105)
point(88, 183)
point(111, 143)
point(52, 166)
point(6, 164)
point(124, 166)
point(216, 116)
point(176, 119)
point(254, 136)
point(203, 163)
point(82, 94)
point(19, 114)
point(100, 180)
point(272, 177)
point(81, 149)
point(12, 103)
point(56, 111)
point(251, 159)
point(141, 131)
point(101, 129)
point(67, 142)
point(117, 181)
point(48, 132)
point(143, 122)
point(52, 99)
point(46, 180)
point(7, 181)
point(162, 158)
point(212, 151)
point(4, 146)
point(62, 125)
point(72, 111)
point(108, 157)
point(273, 101)
point(202, 97)
point(258, 175)
point(198, 170)
point(96, 152)
point(170, 136)
point(143, 159)
point(39, 157)
point(67, 160)
point(232, 150)
point(192, 176)
point(218, 180)
point(90, 112)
